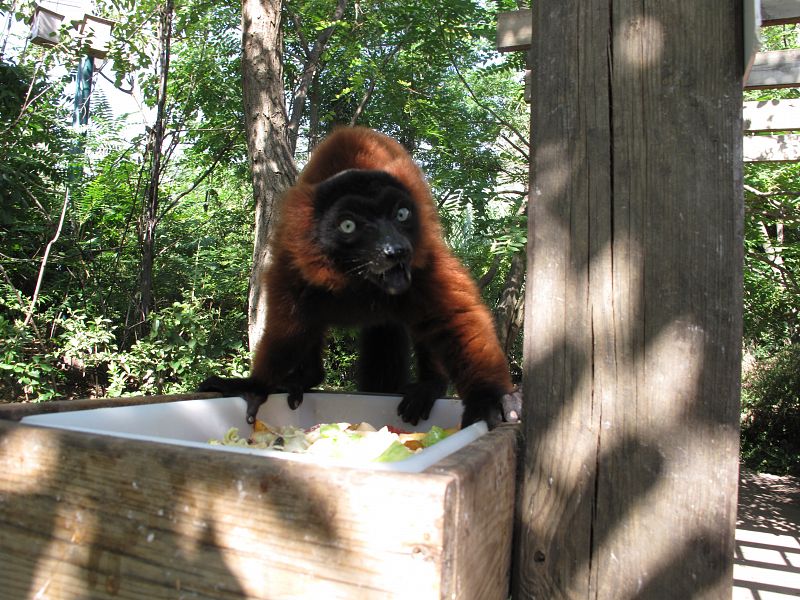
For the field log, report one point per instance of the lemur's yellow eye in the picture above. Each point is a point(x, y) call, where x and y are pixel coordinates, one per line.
point(347, 226)
point(403, 213)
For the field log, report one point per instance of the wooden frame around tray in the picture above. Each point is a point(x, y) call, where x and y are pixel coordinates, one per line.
point(97, 516)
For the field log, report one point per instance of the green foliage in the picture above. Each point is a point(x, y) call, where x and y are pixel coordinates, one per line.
point(36, 368)
point(770, 421)
point(26, 368)
point(33, 145)
point(84, 340)
point(771, 414)
point(772, 250)
point(83, 353)
point(174, 356)
point(340, 360)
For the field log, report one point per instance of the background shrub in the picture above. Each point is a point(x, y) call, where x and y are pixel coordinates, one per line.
point(771, 414)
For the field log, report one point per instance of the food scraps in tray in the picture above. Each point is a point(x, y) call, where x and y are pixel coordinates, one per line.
point(359, 441)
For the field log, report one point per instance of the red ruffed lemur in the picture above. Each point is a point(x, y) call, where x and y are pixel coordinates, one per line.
point(357, 242)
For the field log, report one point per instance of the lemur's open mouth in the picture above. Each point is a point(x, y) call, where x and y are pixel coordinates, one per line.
point(394, 280)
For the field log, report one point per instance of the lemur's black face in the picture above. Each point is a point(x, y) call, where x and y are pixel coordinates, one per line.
point(367, 225)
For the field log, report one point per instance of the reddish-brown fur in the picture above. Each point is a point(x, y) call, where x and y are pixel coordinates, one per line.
point(442, 309)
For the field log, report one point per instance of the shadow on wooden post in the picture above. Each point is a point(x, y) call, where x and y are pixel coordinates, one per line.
point(633, 333)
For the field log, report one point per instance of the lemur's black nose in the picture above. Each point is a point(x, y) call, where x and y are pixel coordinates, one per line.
point(395, 251)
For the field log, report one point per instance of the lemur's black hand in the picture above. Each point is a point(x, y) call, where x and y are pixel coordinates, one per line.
point(506, 409)
point(254, 394)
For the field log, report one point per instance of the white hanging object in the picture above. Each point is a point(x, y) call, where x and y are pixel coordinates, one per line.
point(49, 17)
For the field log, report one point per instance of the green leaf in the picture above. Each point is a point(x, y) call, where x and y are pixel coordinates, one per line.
point(396, 451)
point(435, 435)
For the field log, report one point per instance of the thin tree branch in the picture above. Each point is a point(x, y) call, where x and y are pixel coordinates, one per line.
point(28, 102)
point(309, 70)
point(371, 89)
point(522, 151)
point(38, 205)
point(512, 193)
point(363, 104)
point(504, 122)
point(202, 176)
point(778, 214)
point(786, 275)
point(490, 273)
point(300, 35)
point(755, 192)
point(38, 287)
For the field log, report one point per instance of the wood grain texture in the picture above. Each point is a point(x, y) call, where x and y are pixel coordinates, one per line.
point(479, 567)
point(779, 12)
point(513, 30)
point(634, 302)
point(774, 69)
point(85, 515)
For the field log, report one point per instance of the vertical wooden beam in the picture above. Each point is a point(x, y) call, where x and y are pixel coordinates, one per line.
point(633, 324)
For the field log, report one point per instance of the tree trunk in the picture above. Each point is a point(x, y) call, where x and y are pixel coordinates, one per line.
point(509, 313)
point(266, 122)
point(149, 220)
point(313, 117)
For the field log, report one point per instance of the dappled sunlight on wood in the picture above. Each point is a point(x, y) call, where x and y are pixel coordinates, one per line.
point(191, 518)
point(640, 41)
point(63, 562)
point(673, 365)
point(552, 154)
point(633, 327)
point(124, 518)
point(27, 460)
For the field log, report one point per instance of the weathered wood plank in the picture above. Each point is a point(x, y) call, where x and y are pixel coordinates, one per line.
point(773, 148)
point(633, 323)
point(485, 484)
point(775, 69)
point(84, 516)
point(752, 33)
point(150, 519)
point(779, 12)
point(555, 502)
point(15, 411)
point(771, 115)
point(513, 30)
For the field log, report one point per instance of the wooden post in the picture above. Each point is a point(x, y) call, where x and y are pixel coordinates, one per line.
point(633, 324)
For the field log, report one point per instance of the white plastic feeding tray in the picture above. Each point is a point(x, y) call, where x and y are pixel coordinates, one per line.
point(195, 422)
